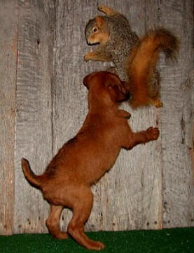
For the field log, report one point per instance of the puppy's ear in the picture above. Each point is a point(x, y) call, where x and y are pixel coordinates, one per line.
point(119, 92)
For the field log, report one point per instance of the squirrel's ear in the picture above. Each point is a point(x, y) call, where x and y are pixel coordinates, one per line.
point(99, 20)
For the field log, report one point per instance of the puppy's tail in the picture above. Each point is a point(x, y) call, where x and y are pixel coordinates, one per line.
point(142, 62)
point(29, 174)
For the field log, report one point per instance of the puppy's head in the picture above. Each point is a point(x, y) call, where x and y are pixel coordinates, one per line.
point(107, 86)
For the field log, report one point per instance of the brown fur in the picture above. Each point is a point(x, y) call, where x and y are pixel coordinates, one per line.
point(141, 66)
point(83, 160)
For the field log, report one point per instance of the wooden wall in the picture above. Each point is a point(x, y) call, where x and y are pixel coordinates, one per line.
point(43, 103)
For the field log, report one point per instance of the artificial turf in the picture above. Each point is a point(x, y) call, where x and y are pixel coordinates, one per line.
point(179, 240)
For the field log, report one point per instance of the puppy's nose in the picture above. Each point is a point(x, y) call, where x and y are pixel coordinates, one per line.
point(125, 90)
point(85, 81)
point(128, 95)
point(124, 84)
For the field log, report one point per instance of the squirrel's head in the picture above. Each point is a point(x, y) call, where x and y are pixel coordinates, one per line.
point(97, 31)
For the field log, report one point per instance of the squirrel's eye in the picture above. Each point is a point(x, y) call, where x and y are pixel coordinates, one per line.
point(95, 29)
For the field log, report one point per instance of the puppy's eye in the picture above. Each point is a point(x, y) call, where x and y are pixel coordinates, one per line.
point(95, 29)
point(112, 86)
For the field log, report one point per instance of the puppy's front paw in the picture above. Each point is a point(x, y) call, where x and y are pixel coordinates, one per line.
point(152, 133)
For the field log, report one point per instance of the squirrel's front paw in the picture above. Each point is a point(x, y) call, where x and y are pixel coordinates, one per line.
point(152, 133)
point(87, 57)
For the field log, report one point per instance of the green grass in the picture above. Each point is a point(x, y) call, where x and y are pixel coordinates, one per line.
point(179, 240)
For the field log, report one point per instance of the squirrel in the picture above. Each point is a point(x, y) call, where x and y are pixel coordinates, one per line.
point(134, 59)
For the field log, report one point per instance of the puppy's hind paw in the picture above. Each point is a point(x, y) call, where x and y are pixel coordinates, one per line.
point(61, 236)
point(100, 245)
point(96, 245)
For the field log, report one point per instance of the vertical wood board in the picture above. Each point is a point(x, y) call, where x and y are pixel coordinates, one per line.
point(177, 118)
point(33, 119)
point(8, 56)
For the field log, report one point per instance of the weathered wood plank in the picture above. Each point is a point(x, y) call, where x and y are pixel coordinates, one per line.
point(69, 101)
point(8, 56)
point(133, 191)
point(191, 137)
point(178, 187)
point(34, 109)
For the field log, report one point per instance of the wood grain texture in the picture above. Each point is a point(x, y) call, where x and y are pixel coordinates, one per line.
point(8, 56)
point(33, 118)
point(178, 187)
point(69, 95)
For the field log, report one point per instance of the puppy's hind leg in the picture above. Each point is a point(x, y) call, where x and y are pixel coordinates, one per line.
point(81, 212)
point(52, 222)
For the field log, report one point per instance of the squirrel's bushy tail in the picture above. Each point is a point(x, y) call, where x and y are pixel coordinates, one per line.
point(29, 174)
point(143, 60)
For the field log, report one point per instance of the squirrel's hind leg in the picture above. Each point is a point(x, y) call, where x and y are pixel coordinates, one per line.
point(157, 103)
point(108, 11)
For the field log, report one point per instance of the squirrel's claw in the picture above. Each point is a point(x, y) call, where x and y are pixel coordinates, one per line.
point(86, 58)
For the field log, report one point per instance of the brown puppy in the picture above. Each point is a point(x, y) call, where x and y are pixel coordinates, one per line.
point(83, 160)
